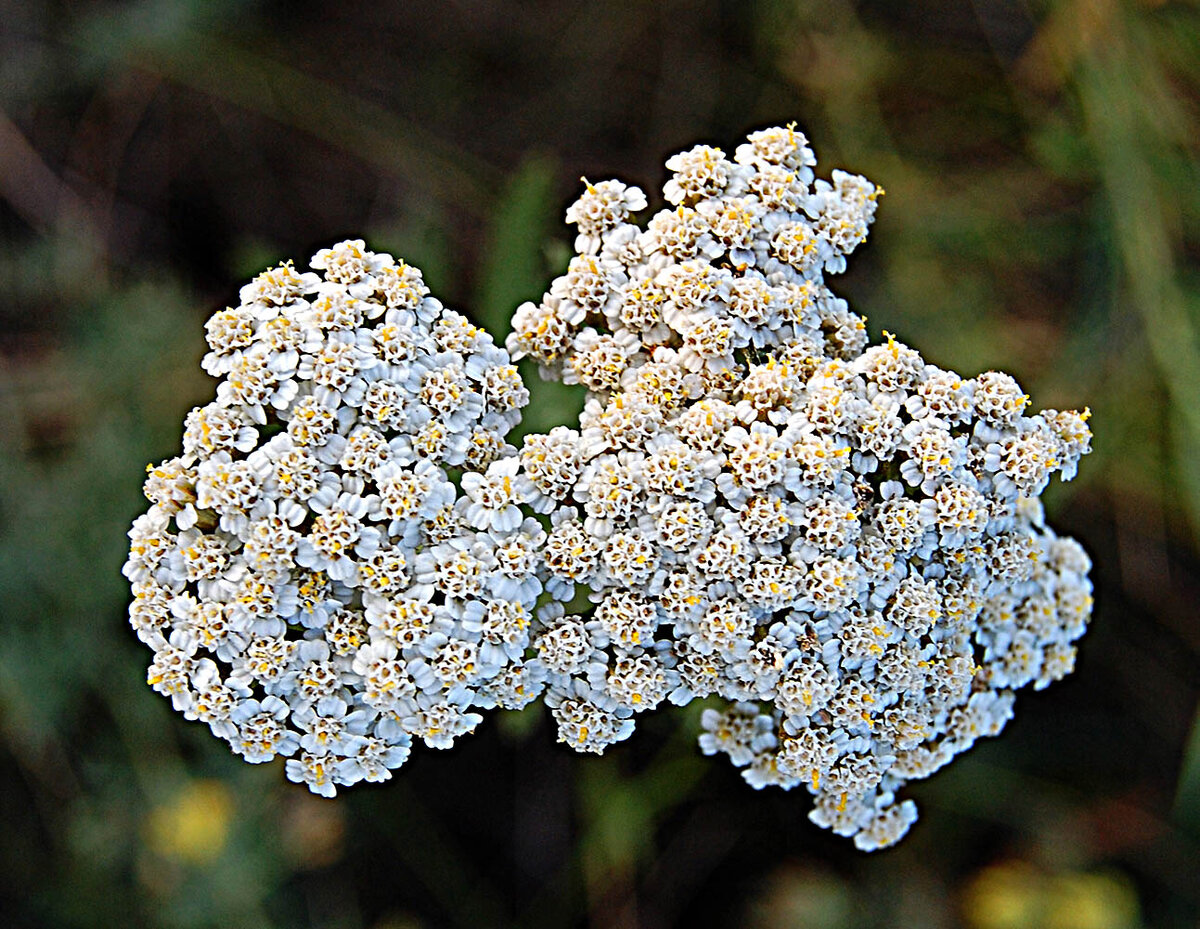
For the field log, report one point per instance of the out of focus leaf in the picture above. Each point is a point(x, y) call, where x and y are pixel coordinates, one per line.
point(1186, 810)
point(513, 267)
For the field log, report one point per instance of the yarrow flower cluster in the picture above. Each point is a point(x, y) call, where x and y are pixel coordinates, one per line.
point(311, 580)
point(841, 541)
point(838, 546)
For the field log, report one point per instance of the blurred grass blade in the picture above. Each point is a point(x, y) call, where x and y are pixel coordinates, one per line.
point(1186, 810)
point(1134, 147)
point(513, 268)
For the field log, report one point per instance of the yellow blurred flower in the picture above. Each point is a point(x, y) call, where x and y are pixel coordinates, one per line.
point(1016, 895)
point(193, 827)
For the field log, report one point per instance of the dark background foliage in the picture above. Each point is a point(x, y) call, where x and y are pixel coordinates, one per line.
point(1041, 217)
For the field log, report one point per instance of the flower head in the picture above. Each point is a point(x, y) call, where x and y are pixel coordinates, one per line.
point(839, 540)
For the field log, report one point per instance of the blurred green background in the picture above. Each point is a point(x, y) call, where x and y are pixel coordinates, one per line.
point(1041, 217)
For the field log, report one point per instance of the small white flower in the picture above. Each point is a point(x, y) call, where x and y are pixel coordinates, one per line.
point(494, 497)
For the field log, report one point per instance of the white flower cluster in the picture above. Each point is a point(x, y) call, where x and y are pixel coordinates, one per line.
point(312, 582)
point(843, 542)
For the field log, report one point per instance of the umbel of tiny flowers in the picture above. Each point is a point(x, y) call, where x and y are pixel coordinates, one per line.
point(841, 542)
point(838, 543)
point(312, 582)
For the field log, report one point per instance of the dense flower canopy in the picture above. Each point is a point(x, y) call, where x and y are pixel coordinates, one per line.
point(837, 544)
